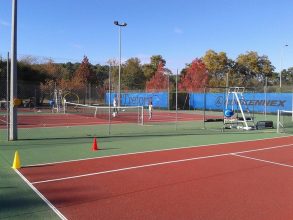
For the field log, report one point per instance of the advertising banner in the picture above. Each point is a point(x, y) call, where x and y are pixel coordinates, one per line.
point(259, 102)
point(159, 99)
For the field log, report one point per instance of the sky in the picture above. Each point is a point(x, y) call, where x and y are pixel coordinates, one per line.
point(178, 30)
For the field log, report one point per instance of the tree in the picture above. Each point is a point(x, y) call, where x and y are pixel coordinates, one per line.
point(84, 74)
point(217, 65)
point(133, 77)
point(159, 80)
point(52, 70)
point(151, 68)
point(287, 77)
point(252, 69)
point(70, 69)
point(157, 60)
point(102, 73)
point(195, 77)
point(30, 73)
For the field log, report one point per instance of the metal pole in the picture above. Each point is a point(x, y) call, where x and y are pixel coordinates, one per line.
point(227, 82)
point(176, 99)
point(282, 54)
point(282, 59)
point(168, 92)
point(7, 96)
point(119, 81)
point(109, 127)
point(292, 103)
point(90, 93)
point(266, 84)
point(13, 73)
point(204, 108)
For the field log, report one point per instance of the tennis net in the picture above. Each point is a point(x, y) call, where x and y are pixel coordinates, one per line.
point(125, 114)
point(285, 121)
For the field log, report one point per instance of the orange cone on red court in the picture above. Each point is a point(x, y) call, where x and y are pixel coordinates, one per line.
point(95, 145)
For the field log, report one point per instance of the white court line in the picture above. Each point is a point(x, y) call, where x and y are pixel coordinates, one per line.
point(153, 151)
point(41, 196)
point(129, 168)
point(157, 164)
point(266, 161)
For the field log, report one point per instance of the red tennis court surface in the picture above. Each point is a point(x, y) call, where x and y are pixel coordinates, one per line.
point(242, 180)
point(59, 120)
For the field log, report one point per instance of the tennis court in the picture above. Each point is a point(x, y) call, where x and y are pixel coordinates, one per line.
point(167, 168)
point(161, 124)
point(44, 119)
point(236, 180)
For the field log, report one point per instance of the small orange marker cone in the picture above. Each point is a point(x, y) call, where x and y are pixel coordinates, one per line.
point(16, 161)
point(95, 145)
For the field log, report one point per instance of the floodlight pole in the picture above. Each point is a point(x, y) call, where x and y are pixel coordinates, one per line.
point(123, 24)
point(176, 99)
point(282, 59)
point(109, 116)
point(168, 92)
point(13, 75)
point(7, 94)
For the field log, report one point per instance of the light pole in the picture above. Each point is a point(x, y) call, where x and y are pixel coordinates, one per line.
point(123, 24)
point(13, 75)
point(282, 59)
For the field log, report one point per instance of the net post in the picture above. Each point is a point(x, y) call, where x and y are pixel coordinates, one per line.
point(278, 121)
point(96, 109)
point(64, 106)
point(142, 122)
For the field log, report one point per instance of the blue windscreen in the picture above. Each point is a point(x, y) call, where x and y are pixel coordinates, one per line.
point(159, 99)
point(259, 102)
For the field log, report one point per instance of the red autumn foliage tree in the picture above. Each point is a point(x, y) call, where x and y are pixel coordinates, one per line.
point(84, 74)
point(159, 81)
point(196, 77)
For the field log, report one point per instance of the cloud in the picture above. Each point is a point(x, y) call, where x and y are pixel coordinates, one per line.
point(178, 30)
point(5, 23)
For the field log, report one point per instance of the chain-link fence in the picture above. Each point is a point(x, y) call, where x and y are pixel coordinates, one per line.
point(4, 105)
point(174, 111)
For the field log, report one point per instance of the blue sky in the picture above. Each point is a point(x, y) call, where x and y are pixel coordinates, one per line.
point(179, 30)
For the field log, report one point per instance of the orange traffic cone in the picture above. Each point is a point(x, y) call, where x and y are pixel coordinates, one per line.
point(95, 145)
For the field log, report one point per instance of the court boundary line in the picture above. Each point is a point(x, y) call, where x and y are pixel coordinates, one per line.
point(151, 151)
point(160, 163)
point(266, 161)
point(41, 195)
